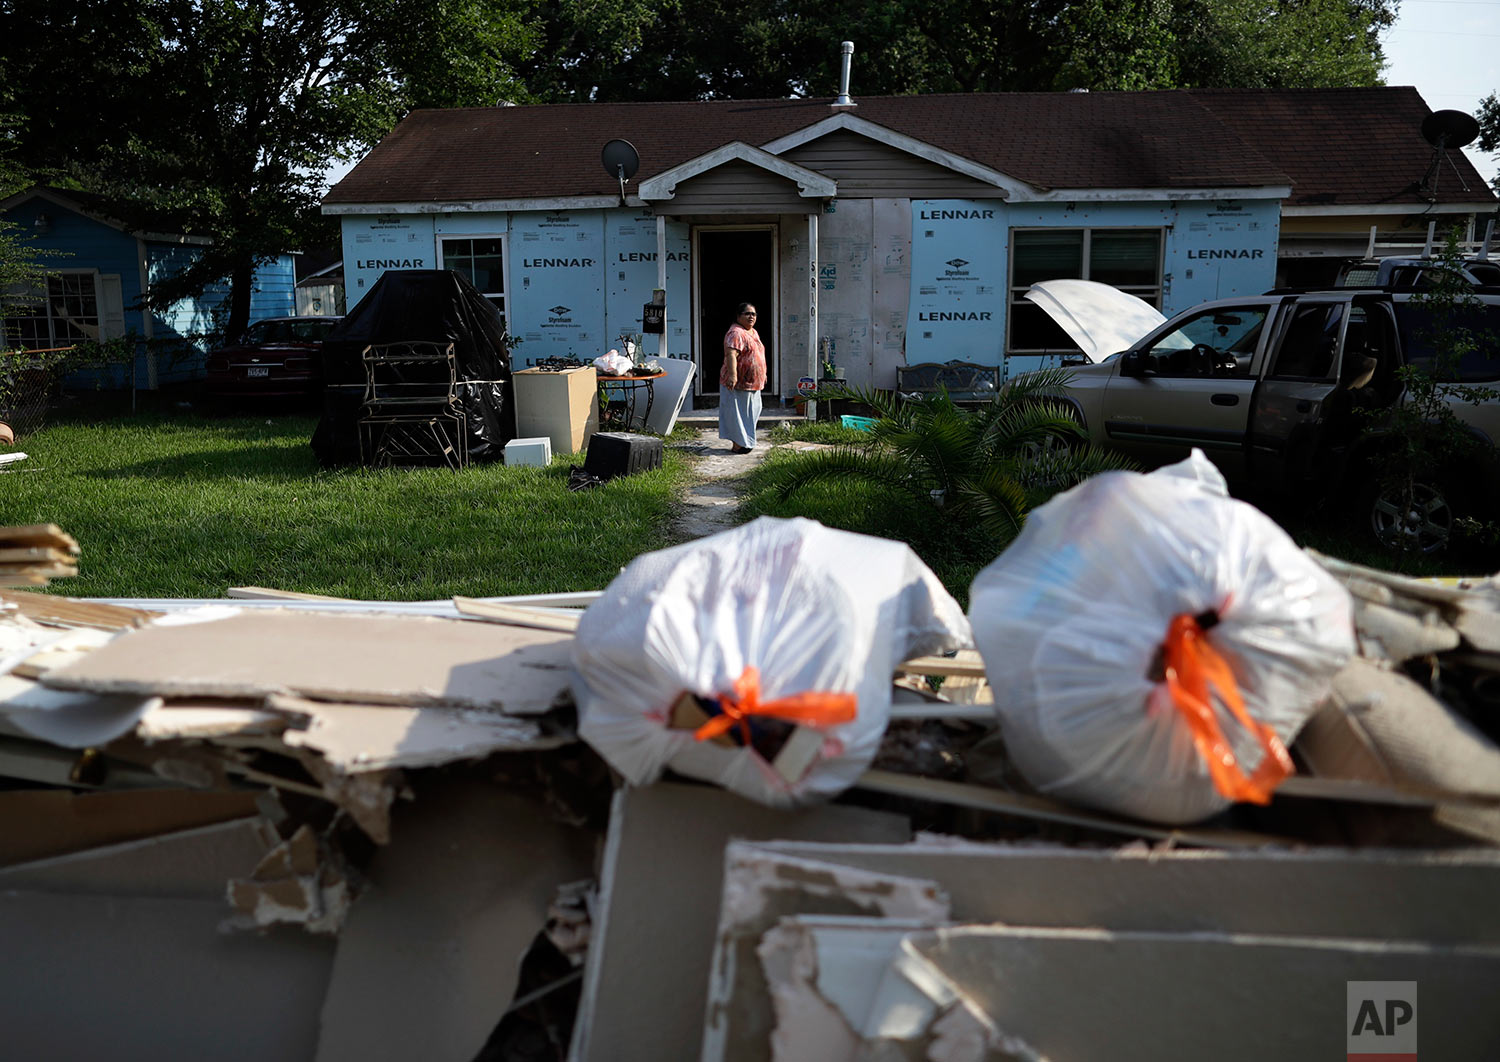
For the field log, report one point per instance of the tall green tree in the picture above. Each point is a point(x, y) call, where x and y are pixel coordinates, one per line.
point(1489, 128)
point(219, 117)
point(694, 49)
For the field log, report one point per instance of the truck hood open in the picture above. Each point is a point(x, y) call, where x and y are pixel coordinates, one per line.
point(1102, 320)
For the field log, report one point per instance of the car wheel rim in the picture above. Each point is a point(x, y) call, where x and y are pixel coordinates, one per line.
point(1412, 519)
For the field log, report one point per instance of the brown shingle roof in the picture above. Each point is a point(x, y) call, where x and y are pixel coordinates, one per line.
point(1181, 139)
point(1346, 146)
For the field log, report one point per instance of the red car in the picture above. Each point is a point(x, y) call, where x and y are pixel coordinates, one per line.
point(276, 357)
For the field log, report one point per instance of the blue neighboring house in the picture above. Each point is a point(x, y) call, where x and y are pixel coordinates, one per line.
point(99, 270)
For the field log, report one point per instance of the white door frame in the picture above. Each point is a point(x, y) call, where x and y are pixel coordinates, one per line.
point(707, 387)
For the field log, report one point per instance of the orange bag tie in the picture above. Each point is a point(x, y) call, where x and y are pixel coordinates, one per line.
point(1192, 665)
point(819, 709)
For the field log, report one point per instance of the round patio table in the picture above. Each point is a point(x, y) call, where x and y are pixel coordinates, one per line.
point(630, 388)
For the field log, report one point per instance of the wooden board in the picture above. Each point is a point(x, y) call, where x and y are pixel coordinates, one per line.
point(67, 612)
point(46, 569)
point(38, 535)
point(33, 554)
point(265, 593)
point(517, 615)
point(943, 665)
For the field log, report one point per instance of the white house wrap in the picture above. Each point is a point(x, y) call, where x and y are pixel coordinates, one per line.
point(812, 610)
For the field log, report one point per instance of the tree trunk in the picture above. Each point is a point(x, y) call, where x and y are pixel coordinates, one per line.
point(241, 280)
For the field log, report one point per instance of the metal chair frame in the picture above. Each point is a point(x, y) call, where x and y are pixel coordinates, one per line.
point(411, 422)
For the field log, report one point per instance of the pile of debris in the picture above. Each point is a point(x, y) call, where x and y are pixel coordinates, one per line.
point(281, 826)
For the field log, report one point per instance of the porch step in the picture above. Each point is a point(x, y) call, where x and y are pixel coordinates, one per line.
point(702, 418)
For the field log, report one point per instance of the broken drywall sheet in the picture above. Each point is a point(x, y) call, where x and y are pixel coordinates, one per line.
point(20, 638)
point(349, 657)
point(429, 957)
point(187, 864)
point(141, 979)
point(178, 720)
point(1141, 997)
point(42, 823)
point(358, 738)
point(1420, 739)
point(646, 979)
point(366, 797)
point(810, 1020)
point(68, 719)
point(299, 882)
point(56, 649)
point(836, 1001)
point(1402, 895)
point(761, 887)
point(805, 1024)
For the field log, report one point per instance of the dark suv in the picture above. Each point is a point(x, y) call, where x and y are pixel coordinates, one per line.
point(275, 357)
point(1414, 274)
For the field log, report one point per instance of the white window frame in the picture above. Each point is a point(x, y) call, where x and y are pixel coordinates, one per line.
point(46, 301)
point(500, 299)
point(1151, 293)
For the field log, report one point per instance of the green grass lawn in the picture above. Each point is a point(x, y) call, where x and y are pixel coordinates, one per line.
point(178, 504)
point(871, 510)
point(185, 505)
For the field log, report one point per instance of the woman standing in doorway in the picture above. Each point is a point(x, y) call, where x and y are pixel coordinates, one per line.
point(741, 377)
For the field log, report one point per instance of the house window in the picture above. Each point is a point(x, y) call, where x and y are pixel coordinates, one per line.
point(62, 311)
point(1128, 259)
point(481, 259)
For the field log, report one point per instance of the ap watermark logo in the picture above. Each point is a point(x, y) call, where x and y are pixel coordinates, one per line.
point(1381, 1021)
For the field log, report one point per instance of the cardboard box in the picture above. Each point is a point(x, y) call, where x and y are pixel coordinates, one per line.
point(564, 406)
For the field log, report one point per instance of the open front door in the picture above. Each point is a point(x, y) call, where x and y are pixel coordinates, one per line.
point(734, 265)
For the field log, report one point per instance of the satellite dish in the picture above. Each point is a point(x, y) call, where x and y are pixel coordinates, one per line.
point(621, 161)
point(620, 158)
point(1445, 130)
point(1449, 129)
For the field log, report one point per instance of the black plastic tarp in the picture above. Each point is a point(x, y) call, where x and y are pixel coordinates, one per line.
point(426, 305)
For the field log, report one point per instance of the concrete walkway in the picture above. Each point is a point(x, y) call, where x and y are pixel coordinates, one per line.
point(709, 505)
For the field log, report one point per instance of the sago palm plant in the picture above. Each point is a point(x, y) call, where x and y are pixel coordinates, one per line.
point(983, 469)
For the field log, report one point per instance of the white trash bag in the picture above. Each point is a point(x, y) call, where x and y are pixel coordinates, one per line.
point(1121, 627)
point(613, 364)
point(783, 631)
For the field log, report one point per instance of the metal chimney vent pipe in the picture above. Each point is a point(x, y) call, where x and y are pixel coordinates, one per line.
point(844, 99)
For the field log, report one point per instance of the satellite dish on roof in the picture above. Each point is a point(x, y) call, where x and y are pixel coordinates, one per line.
point(620, 158)
point(620, 161)
point(1449, 129)
point(1445, 130)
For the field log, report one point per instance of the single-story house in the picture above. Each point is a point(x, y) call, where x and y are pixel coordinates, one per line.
point(100, 268)
point(888, 230)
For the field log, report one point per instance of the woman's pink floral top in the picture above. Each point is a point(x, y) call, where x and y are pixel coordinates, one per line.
point(751, 362)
